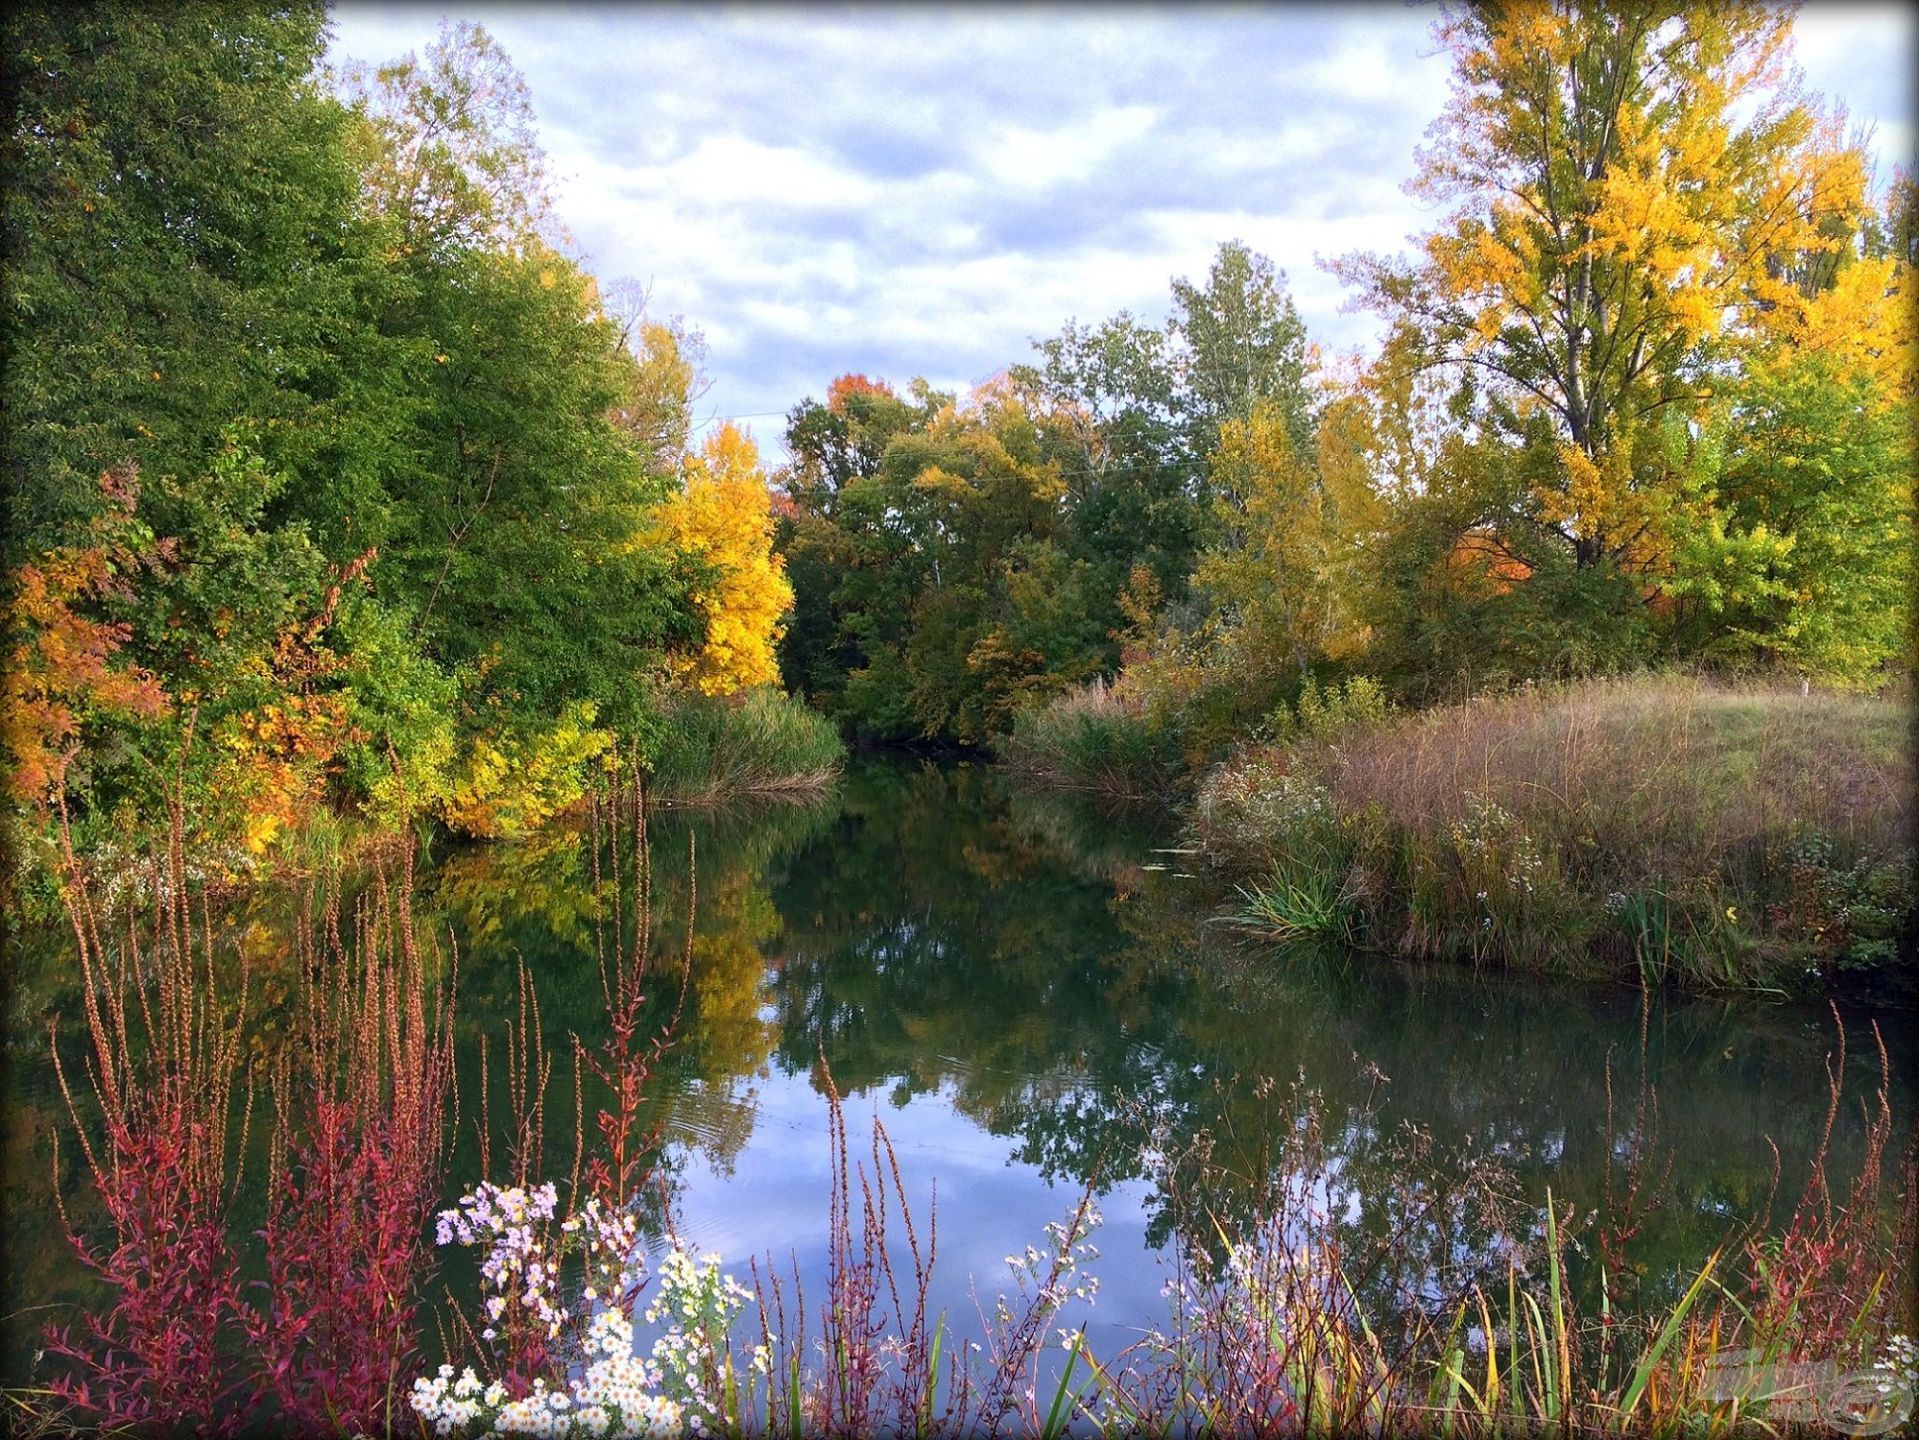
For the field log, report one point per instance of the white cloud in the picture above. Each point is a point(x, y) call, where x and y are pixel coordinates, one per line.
point(922, 191)
point(1038, 159)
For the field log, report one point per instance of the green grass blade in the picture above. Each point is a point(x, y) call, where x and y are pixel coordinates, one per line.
point(1642, 1373)
point(1055, 1419)
point(924, 1421)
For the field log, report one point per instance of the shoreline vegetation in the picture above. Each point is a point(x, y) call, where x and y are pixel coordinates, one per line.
point(1478, 1310)
point(343, 502)
point(761, 745)
point(1666, 827)
point(440, 541)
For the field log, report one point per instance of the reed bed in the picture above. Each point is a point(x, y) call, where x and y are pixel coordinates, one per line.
point(710, 751)
point(1104, 737)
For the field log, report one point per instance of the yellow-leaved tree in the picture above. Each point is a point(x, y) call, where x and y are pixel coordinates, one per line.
point(1267, 579)
point(1640, 195)
point(723, 518)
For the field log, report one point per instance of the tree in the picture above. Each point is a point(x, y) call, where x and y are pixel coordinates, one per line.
point(929, 552)
point(1636, 190)
point(1266, 581)
point(658, 408)
point(185, 250)
point(1817, 460)
point(722, 517)
point(453, 155)
point(1243, 343)
point(1132, 495)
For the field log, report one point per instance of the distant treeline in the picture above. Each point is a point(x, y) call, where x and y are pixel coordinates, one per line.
point(1646, 395)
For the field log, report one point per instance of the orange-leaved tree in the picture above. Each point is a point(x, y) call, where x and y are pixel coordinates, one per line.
point(66, 668)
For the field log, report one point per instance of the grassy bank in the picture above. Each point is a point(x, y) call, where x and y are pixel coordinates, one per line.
point(1703, 833)
point(710, 751)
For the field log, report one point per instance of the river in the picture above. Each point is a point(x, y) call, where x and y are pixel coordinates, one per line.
point(1032, 999)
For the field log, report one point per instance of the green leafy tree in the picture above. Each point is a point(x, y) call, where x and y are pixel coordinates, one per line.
point(1242, 344)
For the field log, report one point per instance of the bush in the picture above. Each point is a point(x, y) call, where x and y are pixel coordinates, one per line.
point(1319, 713)
point(515, 782)
point(1257, 813)
point(708, 750)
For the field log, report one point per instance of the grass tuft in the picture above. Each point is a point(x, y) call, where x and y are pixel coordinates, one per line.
point(712, 750)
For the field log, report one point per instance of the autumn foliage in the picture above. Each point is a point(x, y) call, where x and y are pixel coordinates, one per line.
point(65, 666)
point(722, 518)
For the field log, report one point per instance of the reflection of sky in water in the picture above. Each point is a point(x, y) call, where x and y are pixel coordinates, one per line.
point(775, 1202)
point(1053, 1003)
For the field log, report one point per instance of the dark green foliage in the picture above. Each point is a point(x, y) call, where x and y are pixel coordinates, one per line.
point(167, 177)
point(933, 583)
point(1097, 738)
point(951, 567)
point(512, 540)
point(373, 414)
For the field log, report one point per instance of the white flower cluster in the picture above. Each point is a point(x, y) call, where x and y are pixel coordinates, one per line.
point(1074, 1250)
point(511, 1223)
point(613, 1398)
point(611, 1243)
point(1489, 832)
point(699, 1303)
point(617, 1394)
point(553, 1414)
point(1261, 805)
point(524, 1256)
point(1898, 1363)
point(452, 1406)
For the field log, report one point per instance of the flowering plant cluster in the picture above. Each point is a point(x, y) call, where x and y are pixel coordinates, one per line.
point(615, 1396)
point(694, 1357)
point(1494, 848)
point(1058, 1273)
point(1897, 1367)
point(681, 1388)
point(525, 1252)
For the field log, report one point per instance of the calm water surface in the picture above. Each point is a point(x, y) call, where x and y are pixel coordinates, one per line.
point(1025, 996)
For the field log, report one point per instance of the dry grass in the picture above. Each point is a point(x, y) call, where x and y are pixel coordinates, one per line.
point(1672, 771)
point(1714, 833)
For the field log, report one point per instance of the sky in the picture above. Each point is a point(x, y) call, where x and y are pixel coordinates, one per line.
point(926, 191)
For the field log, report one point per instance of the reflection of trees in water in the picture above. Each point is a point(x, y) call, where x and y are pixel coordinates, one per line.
point(538, 901)
point(1099, 838)
point(944, 939)
point(932, 930)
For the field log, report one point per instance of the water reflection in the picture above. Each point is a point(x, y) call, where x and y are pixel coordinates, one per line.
point(1033, 996)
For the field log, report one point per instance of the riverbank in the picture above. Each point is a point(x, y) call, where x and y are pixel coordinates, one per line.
point(1667, 827)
